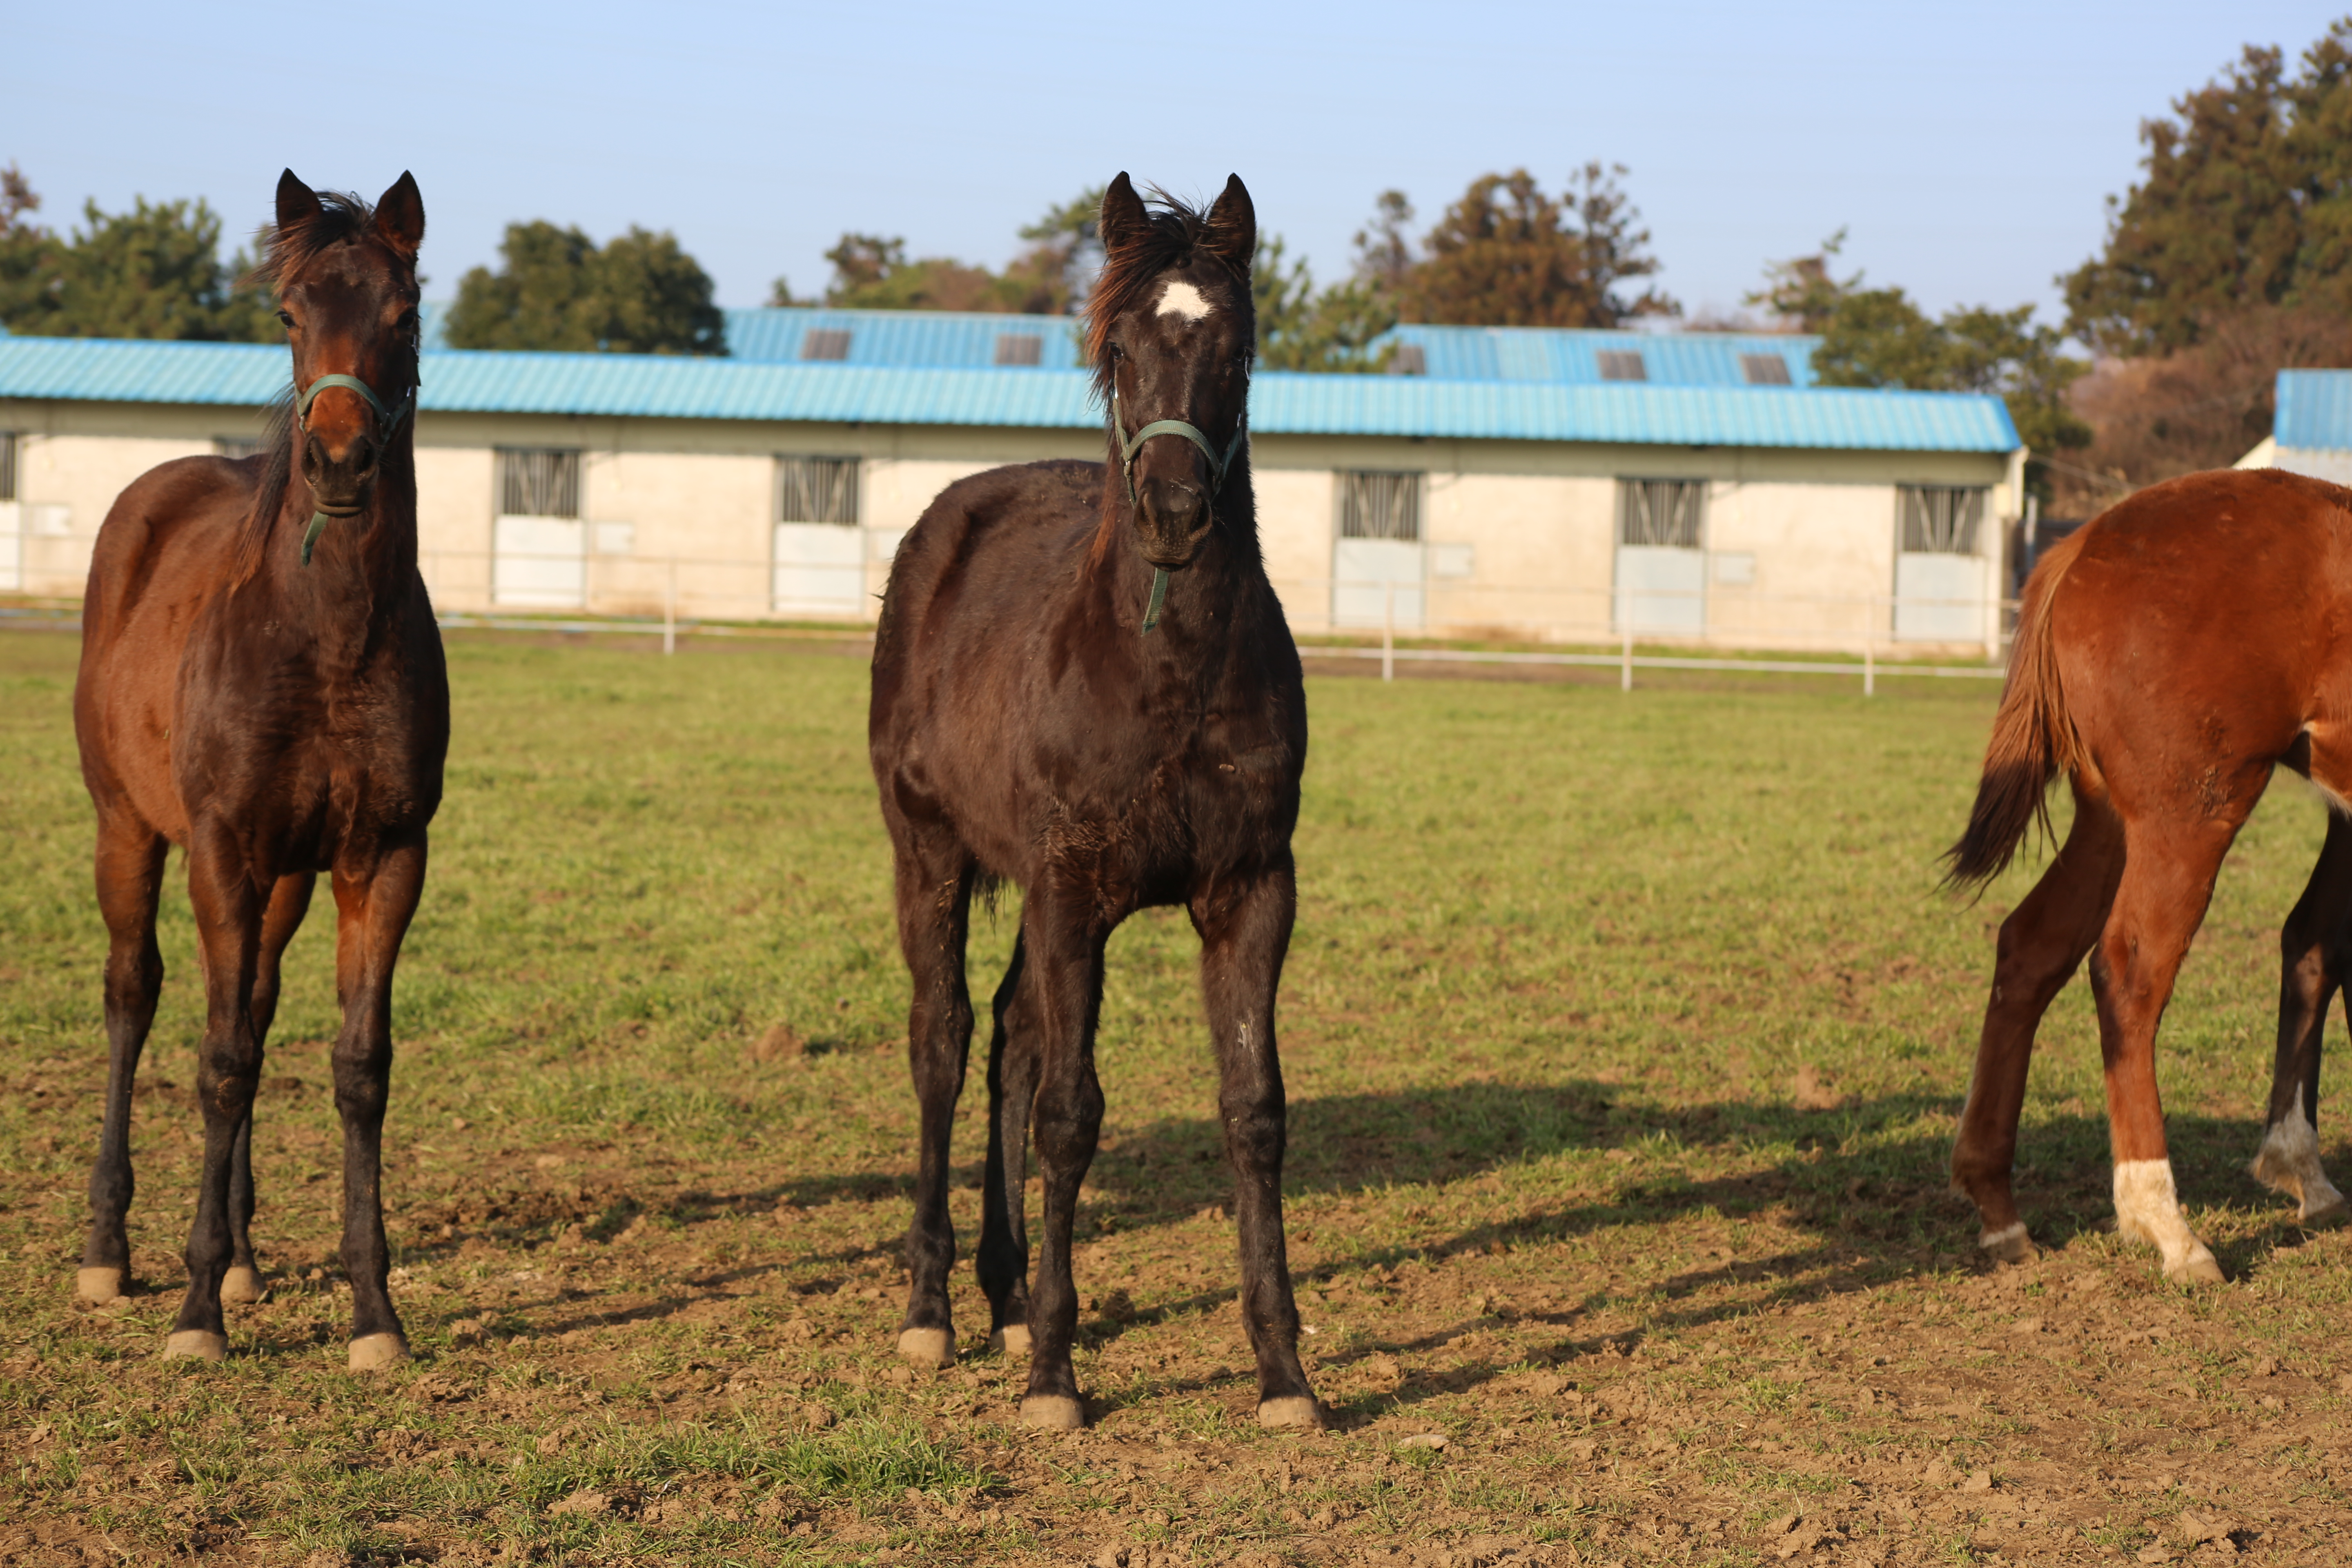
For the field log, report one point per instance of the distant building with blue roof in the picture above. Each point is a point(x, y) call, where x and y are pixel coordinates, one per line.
point(1569, 485)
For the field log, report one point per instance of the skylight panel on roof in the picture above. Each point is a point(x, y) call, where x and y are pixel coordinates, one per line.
point(1764, 370)
point(1410, 359)
point(1019, 348)
point(825, 342)
point(1622, 364)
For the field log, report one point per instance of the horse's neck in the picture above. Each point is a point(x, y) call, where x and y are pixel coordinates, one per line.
point(362, 569)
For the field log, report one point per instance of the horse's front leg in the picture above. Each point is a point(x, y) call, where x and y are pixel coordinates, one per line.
point(375, 898)
point(1062, 938)
point(228, 907)
point(1245, 933)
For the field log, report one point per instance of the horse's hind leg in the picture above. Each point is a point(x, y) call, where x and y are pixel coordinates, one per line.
point(288, 903)
point(1002, 1262)
point(2042, 943)
point(130, 881)
point(2166, 883)
point(228, 911)
point(2315, 953)
point(934, 890)
point(1245, 935)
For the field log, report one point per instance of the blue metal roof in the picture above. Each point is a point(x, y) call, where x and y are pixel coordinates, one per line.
point(944, 340)
point(2314, 410)
point(661, 386)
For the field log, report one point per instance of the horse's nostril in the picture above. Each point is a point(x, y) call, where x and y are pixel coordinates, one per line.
point(314, 458)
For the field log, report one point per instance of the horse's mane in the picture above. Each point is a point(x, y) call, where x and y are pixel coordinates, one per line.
point(285, 250)
point(1176, 229)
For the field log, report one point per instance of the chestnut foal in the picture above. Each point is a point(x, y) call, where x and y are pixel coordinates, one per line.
point(262, 684)
point(1083, 682)
point(2168, 656)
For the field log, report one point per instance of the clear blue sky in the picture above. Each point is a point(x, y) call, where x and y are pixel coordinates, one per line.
point(1968, 148)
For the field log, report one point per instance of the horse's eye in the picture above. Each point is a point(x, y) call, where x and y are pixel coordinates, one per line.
point(408, 320)
point(284, 319)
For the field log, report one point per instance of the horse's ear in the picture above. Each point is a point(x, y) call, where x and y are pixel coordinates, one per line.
point(296, 201)
point(1232, 225)
point(1123, 217)
point(400, 216)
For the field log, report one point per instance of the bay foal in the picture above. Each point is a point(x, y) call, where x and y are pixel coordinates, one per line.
point(1082, 683)
point(2170, 655)
point(262, 684)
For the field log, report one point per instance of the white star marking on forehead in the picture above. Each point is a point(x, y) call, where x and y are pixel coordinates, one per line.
point(1180, 298)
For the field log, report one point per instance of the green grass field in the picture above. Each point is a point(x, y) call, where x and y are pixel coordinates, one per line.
point(1625, 1038)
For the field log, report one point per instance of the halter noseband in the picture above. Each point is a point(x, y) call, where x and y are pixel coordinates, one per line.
point(1218, 467)
point(387, 420)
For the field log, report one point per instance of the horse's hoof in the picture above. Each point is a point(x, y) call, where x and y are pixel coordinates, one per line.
point(195, 1344)
point(1295, 1410)
point(243, 1286)
point(2327, 1215)
point(1013, 1339)
point(374, 1353)
point(2009, 1244)
point(98, 1286)
point(2198, 1268)
point(1053, 1412)
point(928, 1347)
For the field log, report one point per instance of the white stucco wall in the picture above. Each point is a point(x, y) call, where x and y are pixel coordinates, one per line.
point(1537, 519)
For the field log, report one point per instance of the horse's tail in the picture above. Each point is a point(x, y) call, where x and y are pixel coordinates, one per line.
point(2033, 738)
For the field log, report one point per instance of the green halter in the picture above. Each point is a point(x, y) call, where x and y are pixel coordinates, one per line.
point(1218, 468)
point(387, 420)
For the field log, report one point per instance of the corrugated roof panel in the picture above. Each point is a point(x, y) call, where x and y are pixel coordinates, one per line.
point(657, 386)
point(2314, 410)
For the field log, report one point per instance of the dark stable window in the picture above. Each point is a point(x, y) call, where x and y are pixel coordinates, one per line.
point(1623, 364)
point(7, 465)
point(236, 446)
point(538, 482)
point(816, 489)
point(825, 342)
point(1019, 348)
point(1764, 370)
point(1940, 519)
point(1378, 505)
point(1665, 512)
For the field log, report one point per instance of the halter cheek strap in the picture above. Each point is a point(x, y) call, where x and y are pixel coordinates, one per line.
point(387, 420)
point(1218, 467)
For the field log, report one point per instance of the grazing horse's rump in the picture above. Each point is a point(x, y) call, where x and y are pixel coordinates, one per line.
point(262, 684)
point(2168, 656)
point(1082, 683)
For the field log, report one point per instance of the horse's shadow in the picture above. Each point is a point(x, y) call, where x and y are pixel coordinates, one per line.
point(1863, 1186)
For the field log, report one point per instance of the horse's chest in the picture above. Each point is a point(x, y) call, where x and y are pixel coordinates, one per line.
point(1196, 813)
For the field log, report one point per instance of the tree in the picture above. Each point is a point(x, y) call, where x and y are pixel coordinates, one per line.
point(1049, 279)
point(2159, 415)
point(1508, 255)
point(1300, 328)
point(2245, 202)
point(153, 272)
point(555, 289)
point(1880, 337)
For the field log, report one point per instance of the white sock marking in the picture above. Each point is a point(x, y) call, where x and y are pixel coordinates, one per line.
point(2288, 1162)
point(2147, 1209)
point(1992, 1240)
point(1180, 298)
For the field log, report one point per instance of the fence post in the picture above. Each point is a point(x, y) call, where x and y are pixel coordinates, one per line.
point(669, 611)
point(1388, 635)
point(1626, 669)
point(1869, 669)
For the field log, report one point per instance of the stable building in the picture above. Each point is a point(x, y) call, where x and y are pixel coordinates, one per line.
point(1531, 484)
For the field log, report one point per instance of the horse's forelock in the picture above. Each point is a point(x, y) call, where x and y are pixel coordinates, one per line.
point(288, 248)
point(1132, 263)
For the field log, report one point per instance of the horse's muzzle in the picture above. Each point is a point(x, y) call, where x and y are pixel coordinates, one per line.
point(339, 481)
